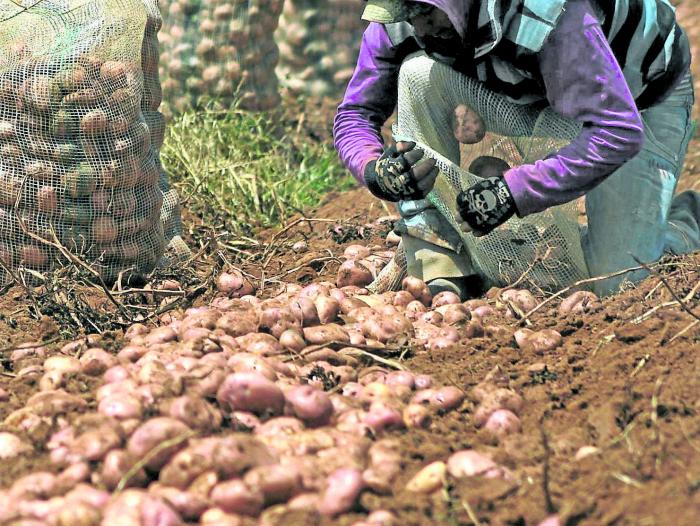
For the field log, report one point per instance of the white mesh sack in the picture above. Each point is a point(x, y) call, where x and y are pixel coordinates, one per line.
point(150, 106)
point(547, 245)
point(219, 50)
point(78, 167)
point(319, 41)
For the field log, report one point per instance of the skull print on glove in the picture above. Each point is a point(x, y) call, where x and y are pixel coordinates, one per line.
point(398, 175)
point(486, 205)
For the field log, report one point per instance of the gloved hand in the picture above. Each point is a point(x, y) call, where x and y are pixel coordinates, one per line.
point(485, 205)
point(398, 175)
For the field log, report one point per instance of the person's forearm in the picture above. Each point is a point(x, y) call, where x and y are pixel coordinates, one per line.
point(357, 140)
point(584, 82)
point(369, 100)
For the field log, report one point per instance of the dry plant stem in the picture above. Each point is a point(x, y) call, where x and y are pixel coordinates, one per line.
point(578, 284)
point(688, 327)
point(532, 265)
point(150, 456)
point(299, 267)
point(470, 513)
point(549, 504)
point(681, 302)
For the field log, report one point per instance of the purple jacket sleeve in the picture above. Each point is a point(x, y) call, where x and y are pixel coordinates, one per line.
point(370, 99)
point(583, 81)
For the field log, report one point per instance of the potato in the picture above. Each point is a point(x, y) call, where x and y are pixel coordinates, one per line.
point(580, 302)
point(195, 412)
point(429, 479)
point(522, 299)
point(234, 496)
point(277, 483)
point(310, 405)
point(292, 340)
point(502, 423)
point(328, 308)
point(418, 289)
point(94, 123)
point(539, 342)
point(325, 334)
point(470, 463)
point(356, 252)
point(243, 362)
point(151, 434)
point(12, 446)
point(354, 273)
point(234, 285)
point(115, 466)
point(343, 487)
point(387, 328)
point(33, 256)
point(251, 392)
point(121, 407)
point(416, 416)
point(188, 505)
point(445, 298)
point(467, 125)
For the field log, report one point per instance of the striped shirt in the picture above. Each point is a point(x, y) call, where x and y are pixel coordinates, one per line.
point(644, 36)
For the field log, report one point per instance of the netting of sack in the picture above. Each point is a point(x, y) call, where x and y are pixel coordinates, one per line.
point(150, 106)
point(219, 50)
point(79, 169)
point(319, 41)
point(547, 245)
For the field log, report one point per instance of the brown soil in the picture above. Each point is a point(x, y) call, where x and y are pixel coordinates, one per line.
point(628, 388)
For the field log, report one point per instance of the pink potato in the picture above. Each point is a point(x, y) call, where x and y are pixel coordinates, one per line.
point(325, 334)
point(382, 416)
point(189, 505)
point(353, 273)
point(467, 125)
point(234, 285)
point(470, 463)
point(140, 509)
point(218, 517)
point(195, 412)
point(117, 463)
point(418, 289)
point(445, 298)
point(387, 328)
point(305, 310)
point(12, 446)
point(276, 320)
point(522, 299)
point(552, 520)
point(260, 343)
point(343, 488)
point(121, 407)
point(454, 314)
point(540, 342)
point(328, 309)
point(235, 496)
point(244, 362)
point(277, 483)
point(350, 304)
point(356, 252)
point(250, 392)
point(580, 302)
point(96, 361)
point(152, 434)
point(416, 416)
point(238, 323)
point(503, 422)
point(444, 338)
point(310, 405)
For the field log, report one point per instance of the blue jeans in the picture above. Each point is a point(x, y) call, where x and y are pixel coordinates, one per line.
point(633, 213)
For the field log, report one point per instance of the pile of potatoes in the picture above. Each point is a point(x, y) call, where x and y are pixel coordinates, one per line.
point(78, 161)
point(219, 50)
point(246, 410)
point(318, 44)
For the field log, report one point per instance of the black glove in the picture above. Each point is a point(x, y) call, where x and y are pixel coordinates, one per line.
point(486, 205)
point(397, 175)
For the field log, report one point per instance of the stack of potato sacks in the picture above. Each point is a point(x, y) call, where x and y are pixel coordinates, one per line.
point(319, 41)
point(79, 163)
point(219, 50)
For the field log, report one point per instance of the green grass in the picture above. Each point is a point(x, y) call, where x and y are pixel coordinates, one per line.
point(248, 170)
